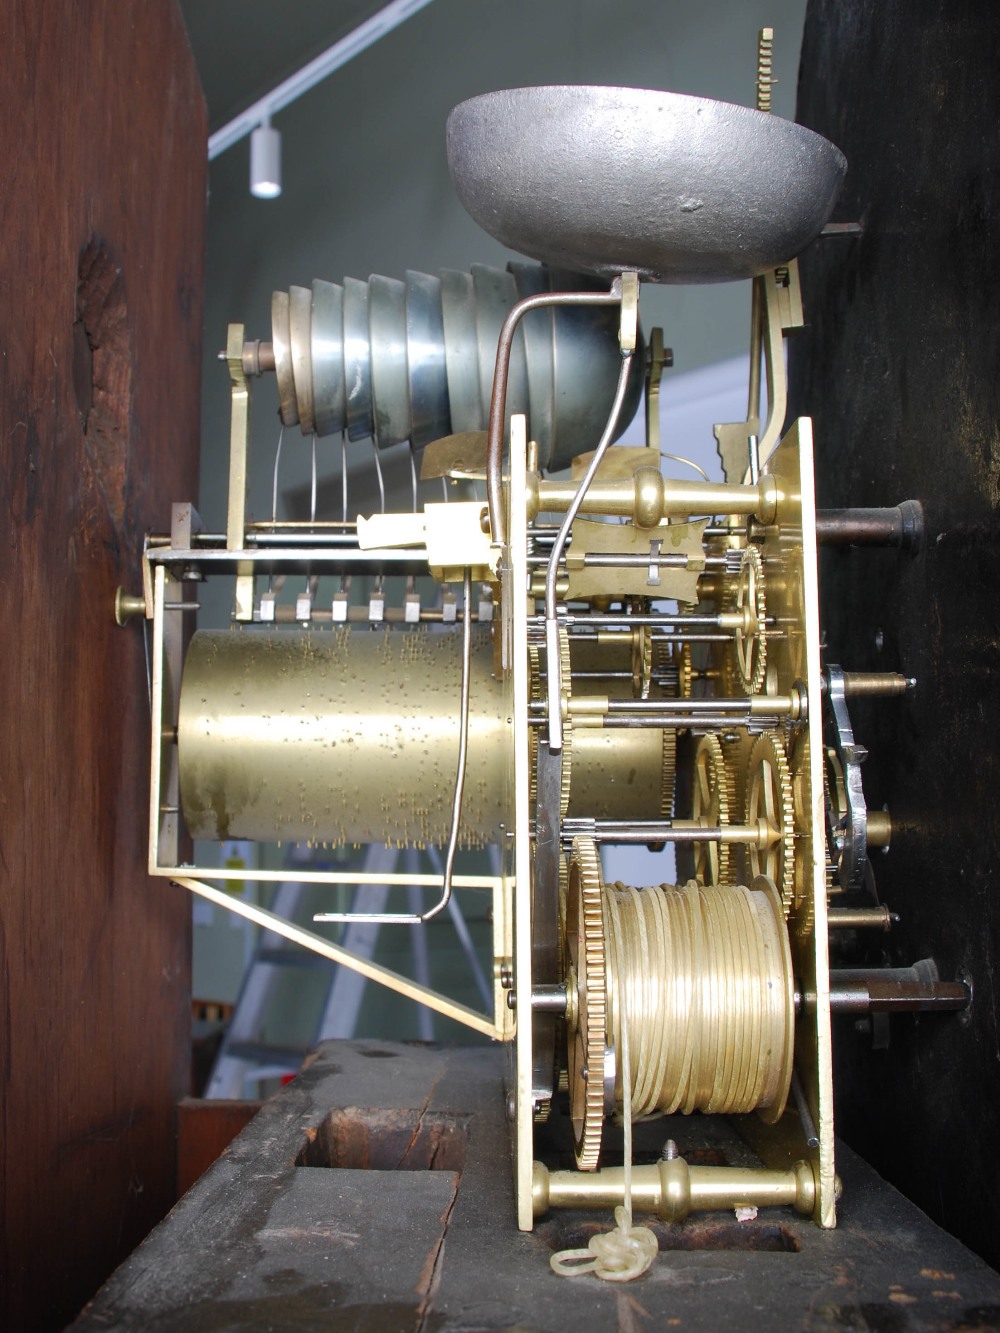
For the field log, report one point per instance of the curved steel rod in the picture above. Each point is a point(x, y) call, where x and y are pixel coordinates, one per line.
point(498, 401)
point(463, 753)
point(552, 664)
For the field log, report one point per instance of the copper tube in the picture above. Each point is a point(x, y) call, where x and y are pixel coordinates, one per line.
point(498, 401)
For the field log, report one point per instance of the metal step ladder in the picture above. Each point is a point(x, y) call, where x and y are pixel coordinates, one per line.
point(245, 1060)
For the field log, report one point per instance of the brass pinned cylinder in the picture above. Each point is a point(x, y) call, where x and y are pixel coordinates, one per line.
point(339, 737)
point(351, 736)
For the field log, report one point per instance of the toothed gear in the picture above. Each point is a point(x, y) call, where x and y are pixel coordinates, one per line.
point(566, 781)
point(563, 895)
point(668, 772)
point(536, 675)
point(538, 692)
point(662, 672)
point(770, 797)
point(535, 669)
point(665, 670)
point(642, 661)
point(713, 801)
point(587, 1017)
point(798, 760)
point(736, 746)
point(750, 640)
point(733, 556)
point(685, 670)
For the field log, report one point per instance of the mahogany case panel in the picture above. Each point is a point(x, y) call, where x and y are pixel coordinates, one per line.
point(102, 192)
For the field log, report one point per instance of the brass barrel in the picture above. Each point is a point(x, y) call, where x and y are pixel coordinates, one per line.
point(621, 774)
point(617, 774)
point(340, 737)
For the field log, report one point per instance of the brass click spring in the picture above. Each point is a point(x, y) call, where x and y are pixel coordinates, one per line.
point(700, 977)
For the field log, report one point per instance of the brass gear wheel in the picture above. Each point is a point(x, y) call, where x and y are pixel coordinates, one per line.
point(798, 758)
point(660, 670)
point(750, 639)
point(770, 798)
point(713, 803)
point(672, 669)
point(685, 669)
point(668, 772)
point(563, 894)
point(651, 662)
point(736, 746)
point(536, 673)
point(535, 670)
point(586, 985)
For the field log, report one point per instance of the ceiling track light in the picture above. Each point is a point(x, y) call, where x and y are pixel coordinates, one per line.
point(265, 142)
point(265, 161)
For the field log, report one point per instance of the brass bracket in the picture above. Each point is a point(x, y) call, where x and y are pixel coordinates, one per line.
point(239, 457)
point(659, 358)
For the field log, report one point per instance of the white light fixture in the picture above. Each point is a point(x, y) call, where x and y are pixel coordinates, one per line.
point(255, 120)
point(265, 161)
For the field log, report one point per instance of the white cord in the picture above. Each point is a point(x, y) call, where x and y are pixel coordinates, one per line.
point(624, 1254)
point(343, 475)
point(274, 494)
point(274, 491)
point(678, 458)
point(312, 497)
point(378, 472)
point(413, 474)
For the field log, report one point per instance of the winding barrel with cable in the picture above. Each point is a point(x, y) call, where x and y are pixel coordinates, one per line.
point(699, 981)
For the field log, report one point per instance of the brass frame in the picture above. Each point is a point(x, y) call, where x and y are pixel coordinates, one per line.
point(165, 608)
point(789, 548)
point(516, 612)
point(782, 522)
